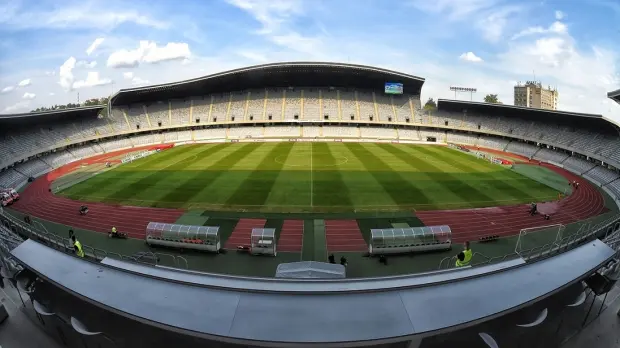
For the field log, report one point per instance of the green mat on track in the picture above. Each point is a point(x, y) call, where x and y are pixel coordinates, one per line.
point(307, 248)
point(320, 242)
point(544, 176)
point(193, 218)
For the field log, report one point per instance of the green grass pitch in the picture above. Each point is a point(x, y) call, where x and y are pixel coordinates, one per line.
point(305, 176)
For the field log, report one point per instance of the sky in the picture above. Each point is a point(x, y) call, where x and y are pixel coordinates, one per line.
point(51, 52)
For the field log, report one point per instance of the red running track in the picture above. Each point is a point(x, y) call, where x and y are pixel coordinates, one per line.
point(344, 235)
point(242, 234)
point(471, 224)
point(291, 237)
point(37, 201)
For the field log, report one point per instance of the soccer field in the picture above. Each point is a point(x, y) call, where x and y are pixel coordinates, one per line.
point(306, 176)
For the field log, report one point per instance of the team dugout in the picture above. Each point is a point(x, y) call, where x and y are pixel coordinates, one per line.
point(404, 240)
point(183, 236)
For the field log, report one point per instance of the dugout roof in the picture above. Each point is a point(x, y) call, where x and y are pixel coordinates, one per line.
point(49, 116)
point(276, 75)
point(574, 119)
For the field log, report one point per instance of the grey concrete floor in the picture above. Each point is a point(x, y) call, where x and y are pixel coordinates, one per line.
point(21, 329)
point(601, 332)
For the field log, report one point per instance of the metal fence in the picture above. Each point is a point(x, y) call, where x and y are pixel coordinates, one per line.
point(14, 231)
point(603, 230)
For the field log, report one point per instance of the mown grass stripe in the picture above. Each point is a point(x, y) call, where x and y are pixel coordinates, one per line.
point(255, 189)
point(131, 190)
point(451, 182)
point(329, 187)
point(195, 184)
point(499, 183)
point(122, 175)
point(397, 187)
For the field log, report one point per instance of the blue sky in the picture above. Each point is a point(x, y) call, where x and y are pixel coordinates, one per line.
point(52, 50)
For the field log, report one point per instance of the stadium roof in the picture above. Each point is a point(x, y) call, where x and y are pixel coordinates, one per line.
point(53, 115)
point(574, 118)
point(291, 74)
point(614, 95)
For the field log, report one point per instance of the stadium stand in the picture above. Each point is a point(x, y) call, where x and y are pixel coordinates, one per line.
point(263, 109)
point(525, 149)
point(578, 165)
point(602, 175)
point(549, 155)
point(498, 127)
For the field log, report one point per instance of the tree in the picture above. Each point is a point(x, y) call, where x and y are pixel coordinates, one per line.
point(491, 99)
point(430, 104)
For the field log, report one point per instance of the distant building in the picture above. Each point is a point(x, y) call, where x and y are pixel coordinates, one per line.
point(533, 95)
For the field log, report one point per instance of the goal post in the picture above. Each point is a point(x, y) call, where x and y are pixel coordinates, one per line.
point(536, 237)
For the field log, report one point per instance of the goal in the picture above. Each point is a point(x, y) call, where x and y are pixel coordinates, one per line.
point(534, 238)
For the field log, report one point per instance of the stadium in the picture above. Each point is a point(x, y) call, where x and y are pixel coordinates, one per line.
point(309, 204)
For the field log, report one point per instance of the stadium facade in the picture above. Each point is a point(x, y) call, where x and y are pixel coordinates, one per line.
point(511, 301)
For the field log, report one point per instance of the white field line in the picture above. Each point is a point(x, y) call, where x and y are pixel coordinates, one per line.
point(100, 198)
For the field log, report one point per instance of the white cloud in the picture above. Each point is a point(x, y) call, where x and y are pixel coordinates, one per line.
point(7, 89)
point(93, 46)
point(66, 74)
point(454, 9)
point(271, 14)
point(493, 24)
point(92, 80)
point(128, 75)
point(490, 17)
point(138, 81)
point(18, 106)
point(148, 52)
point(297, 42)
point(253, 56)
point(50, 73)
point(24, 83)
point(74, 15)
point(51, 94)
point(470, 57)
point(85, 64)
point(557, 61)
point(555, 28)
point(559, 15)
point(29, 96)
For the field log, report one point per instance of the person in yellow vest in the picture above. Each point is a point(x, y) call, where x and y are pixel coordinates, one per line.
point(77, 246)
point(464, 257)
point(114, 230)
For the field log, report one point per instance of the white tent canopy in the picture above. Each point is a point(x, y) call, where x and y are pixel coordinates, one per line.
point(310, 270)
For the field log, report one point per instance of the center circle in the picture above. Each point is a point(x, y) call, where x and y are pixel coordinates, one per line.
point(299, 160)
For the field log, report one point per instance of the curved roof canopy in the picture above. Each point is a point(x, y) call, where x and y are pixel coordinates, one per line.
point(292, 74)
point(574, 119)
point(614, 95)
point(50, 116)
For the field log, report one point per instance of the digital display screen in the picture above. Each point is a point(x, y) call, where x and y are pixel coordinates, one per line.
point(393, 88)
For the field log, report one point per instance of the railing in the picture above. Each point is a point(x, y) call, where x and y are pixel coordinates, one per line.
point(19, 230)
point(608, 230)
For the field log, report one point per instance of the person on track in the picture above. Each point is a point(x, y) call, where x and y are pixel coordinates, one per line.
point(114, 231)
point(77, 246)
point(464, 257)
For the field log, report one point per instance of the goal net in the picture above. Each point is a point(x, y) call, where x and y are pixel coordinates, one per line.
point(533, 239)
